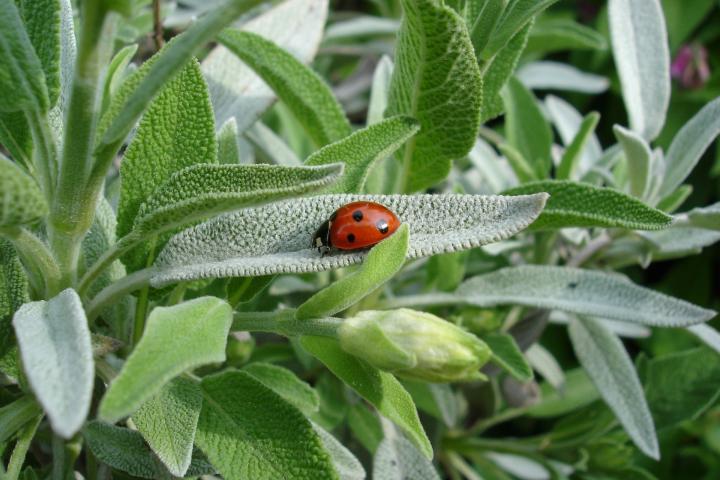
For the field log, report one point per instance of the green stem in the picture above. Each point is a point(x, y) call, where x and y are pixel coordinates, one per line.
point(284, 323)
point(21, 447)
point(44, 272)
point(59, 458)
point(504, 416)
point(115, 291)
point(45, 152)
point(106, 259)
point(141, 309)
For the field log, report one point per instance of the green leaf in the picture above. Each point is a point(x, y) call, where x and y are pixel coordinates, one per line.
point(302, 90)
point(436, 80)
point(584, 292)
point(642, 58)
point(549, 75)
point(168, 422)
point(383, 261)
point(361, 150)
point(286, 384)
point(243, 419)
point(346, 465)
point(42, 23)
point(570, 162)
point(365, 426)
point(398, 459)
point(271, 145)
point(16, 137)
point(15, 415)
point(379, 388)
point(676, 199)
point(563, 34)
point(436, 399)
point(13, 293)
point(177, 131)
point(116, 72)
point(605, 360)
point(176, 339)
point(578, 391)
point(522, 169)
point(56, 352)
point(679, 241)
point(567, 122)
point(496, 72)
point(22, 201)
point(22, 81)
point(689, 144)
point(638, 157)
point(482, 21)
point(507, 355)
point(517, 14)
point(574, 204)
point(277, 238)
point(228, 147)
point(705, 217)
point(236, 91)
point(526, 127)
point(682, 385)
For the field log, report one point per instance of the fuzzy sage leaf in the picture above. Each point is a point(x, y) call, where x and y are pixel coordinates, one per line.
point(277, 238)
point(286, 384)
point(22, 201)
point(638, 157)
point(397, 459)
point(507, 354)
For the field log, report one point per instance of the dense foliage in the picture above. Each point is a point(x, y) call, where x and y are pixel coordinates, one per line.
point(541, 312)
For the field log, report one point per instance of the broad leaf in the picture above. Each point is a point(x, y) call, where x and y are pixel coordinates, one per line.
point(642, 58)
point(243, 419)
point(574, 204)
point(42, 23)
point(286, 384)
point(22, 201)
point(168, 422)
point(176, 339)
point(361, 150)
point(22, 80)
point(584, 292)
point(379, 388)
point(346, 465)
point(507, 355)
point(383, 261)
point(436, 81)
point(277, 238)
point(638, 157)
point(57, 358)
point(398, 459)
point(302, 90)
point(605, 360)
point(570, 162)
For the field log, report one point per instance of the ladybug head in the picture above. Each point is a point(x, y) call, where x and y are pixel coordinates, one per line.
point(321, 239)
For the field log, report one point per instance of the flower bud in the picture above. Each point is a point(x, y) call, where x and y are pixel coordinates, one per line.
point(415, 345)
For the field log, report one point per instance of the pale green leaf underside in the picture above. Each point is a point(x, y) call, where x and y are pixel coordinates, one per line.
point(168, 422)
point(574, 204)
point(638, 156)
point(507, 355)
point(286, 384)
point(22, 201)
point(249, 431)
point(362, 149)
point(302, 90)
point(277, 238)
point(705, 217)
point(606, 362)
point(379, 388)
point(176, 339)
point(346, 465)
point(584, 292)
point(398, 459)
point(436, 80)
point(56, 352)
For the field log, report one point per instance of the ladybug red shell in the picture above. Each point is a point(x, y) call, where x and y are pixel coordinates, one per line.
point(356, 225)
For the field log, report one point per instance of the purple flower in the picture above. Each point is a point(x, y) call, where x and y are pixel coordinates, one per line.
point(690, 67)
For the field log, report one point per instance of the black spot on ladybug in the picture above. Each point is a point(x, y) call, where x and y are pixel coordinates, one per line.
point(382, 226)
point(351, 237)
point(357, 215)
point(572, 285)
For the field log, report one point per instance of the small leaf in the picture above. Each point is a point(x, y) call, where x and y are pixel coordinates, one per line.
point(116, 72)
point(437, 81)
point(16, 137)
point(548, 75)
point(22, 81)
point(568, 121)
point(564, 34)
point(507, 354)
point(365, 426)
point(574, 204)
point(604, 358)
point(346, 465)
point(13, 293)
point(676, 199)
point(379, 388)
point(584, 292)
point(638, 156)
point(570, 162)
point(361, 150)
point(526, 127)
point(398, 459)
point(689, 144)
point(302, 90)
point(271, 145)
point(57, 357)
point(642, 58)
point(228, 147)
point(168, 422)
point(243, 419)
point(578, 391)
point(277, 238)
point(679, 241)
point(176, 339)
point(516, 15)
point(22, 201)
point(286, 384)
point(15, 415)
point(522, 169)
point(481, 21)
point(383, 261)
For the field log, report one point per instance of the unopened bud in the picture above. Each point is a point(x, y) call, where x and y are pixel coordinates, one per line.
point(414, 345)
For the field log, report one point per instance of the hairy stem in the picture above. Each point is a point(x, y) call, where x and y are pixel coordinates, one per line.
point(44, 153)
point(106, 259)
point(44, 273)
point(284, 323)
point(115, 291)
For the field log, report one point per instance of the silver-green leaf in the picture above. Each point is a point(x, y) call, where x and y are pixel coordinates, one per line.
point(638, 156)
point(398, 459)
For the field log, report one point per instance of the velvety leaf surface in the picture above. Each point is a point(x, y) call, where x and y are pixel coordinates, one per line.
point(22, 201)
point(176, 339)
point(379, 388)
point(570, 162)
point(606, 362)
point(706, 217)
point(57, 358)
point(584, 292)
point(347, 466)
point(398, 459)
point(42, 23)
point(362, 149)
point(302, 90)
point(638, 157)
point(249, 431)
point(228, 146)
point(574, 204)
point(549, 75)
point(13, 293)
point(168, 422)
point(507, 354)
point(286, 384)
point(277, 238)
point(436, 81)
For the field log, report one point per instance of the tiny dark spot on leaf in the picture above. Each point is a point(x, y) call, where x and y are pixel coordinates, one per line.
point(393, 463)
point(357, 215)
point(572, 285)
point(351, 237)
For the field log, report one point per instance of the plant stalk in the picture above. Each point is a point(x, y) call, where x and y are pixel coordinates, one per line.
point(284, 323)
point(44, 273)
point(45, 153)
point(115, 291)
point(20, 451)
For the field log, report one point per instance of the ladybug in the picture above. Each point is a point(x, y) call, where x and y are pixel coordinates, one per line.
point(354, 226)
